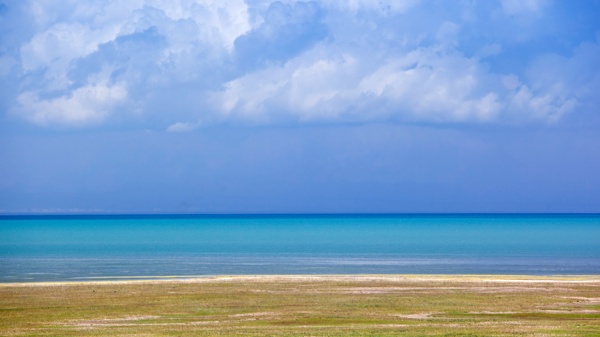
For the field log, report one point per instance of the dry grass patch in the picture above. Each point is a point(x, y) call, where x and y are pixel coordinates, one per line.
point(306, 305)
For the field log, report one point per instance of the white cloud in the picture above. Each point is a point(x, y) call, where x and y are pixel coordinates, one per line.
point(422, 85)
point(304, 88)
point(546, 106)
point(72, 31)
point(55, 48)
point(84, 106)
point(556, 85)
point(392, 6)
point(183, 127)
point(219, 23)
point(266, 62)
point(433, 83)
point(64, 41)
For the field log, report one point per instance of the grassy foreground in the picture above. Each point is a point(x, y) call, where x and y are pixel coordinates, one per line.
point(307, 306)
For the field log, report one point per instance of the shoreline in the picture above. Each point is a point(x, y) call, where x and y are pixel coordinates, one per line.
point(466, 278)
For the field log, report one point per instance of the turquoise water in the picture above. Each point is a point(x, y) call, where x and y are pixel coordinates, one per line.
point(51, 248)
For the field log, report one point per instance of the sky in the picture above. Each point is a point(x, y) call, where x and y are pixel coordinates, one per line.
point(207, 106)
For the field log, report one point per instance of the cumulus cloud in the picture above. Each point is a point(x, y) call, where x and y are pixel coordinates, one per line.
point(422, 85)
point(182, 127)
point(431, 83)
point(285, 31)
point(84, 106)
point(54, 49)
point(391, 6)
point(140, 43)
point(291, 61)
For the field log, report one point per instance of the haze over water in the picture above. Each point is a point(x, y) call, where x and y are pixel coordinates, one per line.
point(47, 248)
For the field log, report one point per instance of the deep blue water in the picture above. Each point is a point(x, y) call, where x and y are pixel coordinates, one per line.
point(47, 248)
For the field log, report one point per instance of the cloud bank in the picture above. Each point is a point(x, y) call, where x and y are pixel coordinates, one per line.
point(177, 65)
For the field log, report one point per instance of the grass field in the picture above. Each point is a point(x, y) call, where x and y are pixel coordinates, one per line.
point(306, 306)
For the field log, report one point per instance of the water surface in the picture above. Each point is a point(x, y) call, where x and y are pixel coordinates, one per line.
point(52, 248)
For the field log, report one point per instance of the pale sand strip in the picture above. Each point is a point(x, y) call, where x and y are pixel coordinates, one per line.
point(571, 279)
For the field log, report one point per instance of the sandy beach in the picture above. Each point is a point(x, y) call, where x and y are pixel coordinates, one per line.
point(316, 278)
point(300, 305)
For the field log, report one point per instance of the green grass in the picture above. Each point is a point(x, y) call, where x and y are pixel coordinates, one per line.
point(356, 306)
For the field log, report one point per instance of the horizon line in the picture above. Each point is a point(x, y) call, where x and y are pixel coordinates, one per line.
point(275, 214)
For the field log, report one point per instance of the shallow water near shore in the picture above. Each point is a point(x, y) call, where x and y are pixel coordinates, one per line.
point(63, 248)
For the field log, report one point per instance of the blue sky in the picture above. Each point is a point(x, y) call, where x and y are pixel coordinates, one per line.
point(256, 106)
